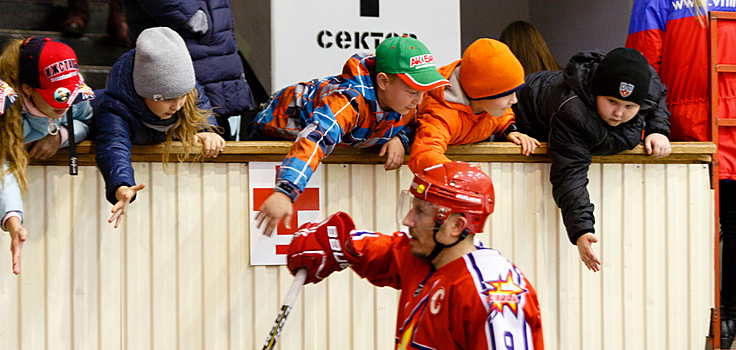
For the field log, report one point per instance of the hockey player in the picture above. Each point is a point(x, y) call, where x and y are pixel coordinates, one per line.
point(455, 293)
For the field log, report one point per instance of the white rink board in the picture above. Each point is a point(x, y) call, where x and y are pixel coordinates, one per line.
point(314, 39)
point(177, 273)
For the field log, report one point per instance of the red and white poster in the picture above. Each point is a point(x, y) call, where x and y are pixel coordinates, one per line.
point(308, 207)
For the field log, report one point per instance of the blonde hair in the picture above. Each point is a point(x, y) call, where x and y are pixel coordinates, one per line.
point(191, 120)
point(12, 148)
point(529, 47)
point(701, 9)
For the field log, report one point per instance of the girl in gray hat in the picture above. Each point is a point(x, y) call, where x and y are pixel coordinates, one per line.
point(151, 96)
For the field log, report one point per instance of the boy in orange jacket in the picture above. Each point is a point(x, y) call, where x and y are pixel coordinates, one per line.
point(476, 106)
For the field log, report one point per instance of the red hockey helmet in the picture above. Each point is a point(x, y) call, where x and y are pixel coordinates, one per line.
point(456, 187)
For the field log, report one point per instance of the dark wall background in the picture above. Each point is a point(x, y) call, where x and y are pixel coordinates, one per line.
point(568, 26)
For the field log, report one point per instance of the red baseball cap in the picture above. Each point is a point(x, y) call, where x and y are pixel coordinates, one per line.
point(50, 67)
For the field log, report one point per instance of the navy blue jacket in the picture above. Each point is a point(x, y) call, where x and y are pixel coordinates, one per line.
point(120, 115)
point(215, 53)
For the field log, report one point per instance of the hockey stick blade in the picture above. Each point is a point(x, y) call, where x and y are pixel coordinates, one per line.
point(296, 285)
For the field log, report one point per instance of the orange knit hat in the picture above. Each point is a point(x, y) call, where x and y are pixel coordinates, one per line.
point(490, 70)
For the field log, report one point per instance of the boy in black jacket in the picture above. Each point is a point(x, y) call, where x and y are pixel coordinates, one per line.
point(598, 105)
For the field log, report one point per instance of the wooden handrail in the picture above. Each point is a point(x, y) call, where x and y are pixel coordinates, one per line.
point(267, 151)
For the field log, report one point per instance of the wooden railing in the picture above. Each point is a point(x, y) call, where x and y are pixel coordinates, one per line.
point(264, 151)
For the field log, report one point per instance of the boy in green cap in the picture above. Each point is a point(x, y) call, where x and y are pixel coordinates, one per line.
point(371, 103)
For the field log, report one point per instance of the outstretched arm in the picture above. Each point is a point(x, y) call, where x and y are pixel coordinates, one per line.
point(18, 235)
point(587, 254)
point(275, 208)
point(323, 131)
point(570, 151)
point(323, 248)
point(124, 195)
point(430, 143)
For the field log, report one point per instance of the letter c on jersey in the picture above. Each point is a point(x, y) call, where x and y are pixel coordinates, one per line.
point(436, 302)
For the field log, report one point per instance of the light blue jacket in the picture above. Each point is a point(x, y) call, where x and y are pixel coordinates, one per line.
point(36, 128)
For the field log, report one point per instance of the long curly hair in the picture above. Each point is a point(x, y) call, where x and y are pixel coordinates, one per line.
point(12, 148)
point(191, 121)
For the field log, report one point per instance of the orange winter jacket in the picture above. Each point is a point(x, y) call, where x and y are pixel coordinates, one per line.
point(444, 118)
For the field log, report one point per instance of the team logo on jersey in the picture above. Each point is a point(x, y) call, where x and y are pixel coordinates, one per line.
point(502, 293)
point(405, 341)
point(436, 302)
point(625, 89)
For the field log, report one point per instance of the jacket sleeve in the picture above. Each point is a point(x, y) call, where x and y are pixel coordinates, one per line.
point(172, 14)
point(10, 196)
point(406, 134)
point(646, 30)
point(82, 119)
point(571, 158)
point(380, 262)
point(113, 145)
point(430, 142)
point(324, 129)
point(655, 112)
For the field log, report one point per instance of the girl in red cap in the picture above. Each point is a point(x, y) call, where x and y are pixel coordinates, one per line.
point(45, 75)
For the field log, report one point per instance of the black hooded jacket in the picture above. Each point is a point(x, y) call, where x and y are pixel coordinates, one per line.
point(558, 107)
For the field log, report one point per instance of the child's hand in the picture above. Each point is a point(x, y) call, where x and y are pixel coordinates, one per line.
point(586, 251)
point(213, 143)
point(395, 150)
point(124, 194)
point(276, 207)
point(657, 145)
point(18, 235)
point(528, 143)
point(45, 147)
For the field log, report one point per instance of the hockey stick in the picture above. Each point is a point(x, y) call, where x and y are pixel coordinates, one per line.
point(296, 285)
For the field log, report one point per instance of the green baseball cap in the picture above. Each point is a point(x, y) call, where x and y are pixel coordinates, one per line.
point(411, 61)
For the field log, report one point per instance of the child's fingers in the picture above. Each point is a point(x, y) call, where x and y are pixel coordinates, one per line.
point(287, 220)
point(259, 219)
point(117, 222)
point(213, 147)
point(648, 147)
point(383, 150)
point(116, 207)
point(113, 216)
point(270, 225)
point(16, 246)
point(138, 187)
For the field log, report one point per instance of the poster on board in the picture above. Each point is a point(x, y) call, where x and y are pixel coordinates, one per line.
point(308, 207)
point(314, 39)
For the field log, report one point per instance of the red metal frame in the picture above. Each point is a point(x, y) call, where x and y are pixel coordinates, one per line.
point(716, 122)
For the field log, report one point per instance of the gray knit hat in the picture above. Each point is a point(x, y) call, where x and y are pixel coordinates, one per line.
point(163, 68)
